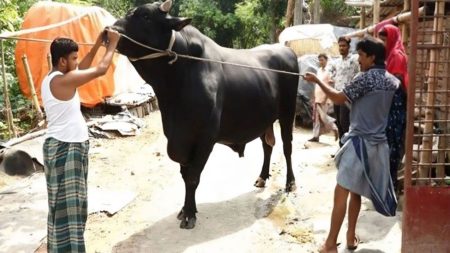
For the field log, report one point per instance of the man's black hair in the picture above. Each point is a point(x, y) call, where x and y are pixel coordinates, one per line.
point(62, 47)
point(375, 47)
point(322, 55)
point(345, 39)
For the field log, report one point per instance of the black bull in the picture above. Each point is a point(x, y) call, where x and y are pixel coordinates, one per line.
point(203, 103)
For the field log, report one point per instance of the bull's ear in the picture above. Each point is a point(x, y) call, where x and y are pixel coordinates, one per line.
point(166, 6)
point(178, 23)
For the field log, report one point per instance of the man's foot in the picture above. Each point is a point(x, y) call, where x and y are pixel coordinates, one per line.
point(42, 248)
point(314, 139)
point(353, 245)
point(326, 249)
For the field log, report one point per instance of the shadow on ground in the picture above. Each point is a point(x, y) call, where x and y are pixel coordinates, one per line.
point(214, 220)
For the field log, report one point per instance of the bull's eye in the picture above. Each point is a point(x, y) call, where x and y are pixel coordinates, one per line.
point(146, 17)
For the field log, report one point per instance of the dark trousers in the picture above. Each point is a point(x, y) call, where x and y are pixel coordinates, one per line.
point(342, 120)
point(395, 133)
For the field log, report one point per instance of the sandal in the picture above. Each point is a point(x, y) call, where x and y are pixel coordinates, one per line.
point(314, 139)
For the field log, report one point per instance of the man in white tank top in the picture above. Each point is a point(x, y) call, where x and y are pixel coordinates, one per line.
point(66, 146)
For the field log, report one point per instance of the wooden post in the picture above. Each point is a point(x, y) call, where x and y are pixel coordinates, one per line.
point(401, 18)
point(298, 12)
point(316, 12)
point(376, 11)
point(427, 140)
point(289, 13)
point(34, 97)
point(403, 26)
point(362, 20)
point(443, 139)
point(9, 115)
point(49, 62)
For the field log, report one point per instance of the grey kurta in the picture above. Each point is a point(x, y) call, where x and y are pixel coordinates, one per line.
point(363, 160)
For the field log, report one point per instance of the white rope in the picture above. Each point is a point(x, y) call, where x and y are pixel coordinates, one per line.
point(169, 52)
point(160, 54)
point(172, 53)
point(42, 28)
point(43, 40)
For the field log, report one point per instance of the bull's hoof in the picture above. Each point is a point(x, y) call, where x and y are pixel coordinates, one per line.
point(186, 222)
point(180, 215)
point(291, 187)
point(260, 183)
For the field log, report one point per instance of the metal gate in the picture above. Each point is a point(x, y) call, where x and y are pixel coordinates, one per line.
point(426, 220)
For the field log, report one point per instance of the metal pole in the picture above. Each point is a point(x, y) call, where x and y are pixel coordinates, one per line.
point(9, 116)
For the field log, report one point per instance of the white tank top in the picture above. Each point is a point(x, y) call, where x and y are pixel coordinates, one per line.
point(65, 121)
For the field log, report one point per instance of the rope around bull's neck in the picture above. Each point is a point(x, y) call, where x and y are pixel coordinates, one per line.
point(176, 55)
point(168, 53)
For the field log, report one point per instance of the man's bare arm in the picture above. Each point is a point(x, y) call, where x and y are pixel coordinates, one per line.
point(338, 97)
point(63, 87)
point(87, 60)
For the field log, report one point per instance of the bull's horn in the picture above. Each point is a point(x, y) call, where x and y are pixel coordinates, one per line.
point(165, 7)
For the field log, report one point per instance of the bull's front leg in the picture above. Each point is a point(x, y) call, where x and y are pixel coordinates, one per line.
point(187, 214)
point(191, 176)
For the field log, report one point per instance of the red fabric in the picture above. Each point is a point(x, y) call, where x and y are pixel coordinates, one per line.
point(383, 24)
point(396, 59)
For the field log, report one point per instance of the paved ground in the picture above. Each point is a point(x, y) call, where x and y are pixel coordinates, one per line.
point(233, 215)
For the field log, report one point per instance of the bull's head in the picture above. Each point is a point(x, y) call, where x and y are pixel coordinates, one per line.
point(149, 24)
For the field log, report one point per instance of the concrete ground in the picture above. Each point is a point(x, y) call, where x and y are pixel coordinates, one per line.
point(233, 215)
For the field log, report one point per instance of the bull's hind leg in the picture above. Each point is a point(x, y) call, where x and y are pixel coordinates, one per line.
point(286, 125)
point(264, 175)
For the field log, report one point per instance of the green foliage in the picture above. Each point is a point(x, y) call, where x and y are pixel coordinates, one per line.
point(209, 19)
point(252, 23)
point(117, 8)
point(259, 21)
point(236, 23)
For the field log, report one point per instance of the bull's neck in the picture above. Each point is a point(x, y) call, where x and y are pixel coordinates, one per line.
point(159, 53)
point(165, 78)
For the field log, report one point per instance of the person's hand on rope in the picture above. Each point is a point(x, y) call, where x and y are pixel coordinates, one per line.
point(311, 77)
point(111, 36)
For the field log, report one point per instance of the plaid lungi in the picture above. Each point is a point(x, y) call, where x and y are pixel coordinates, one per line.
point(66, 169)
